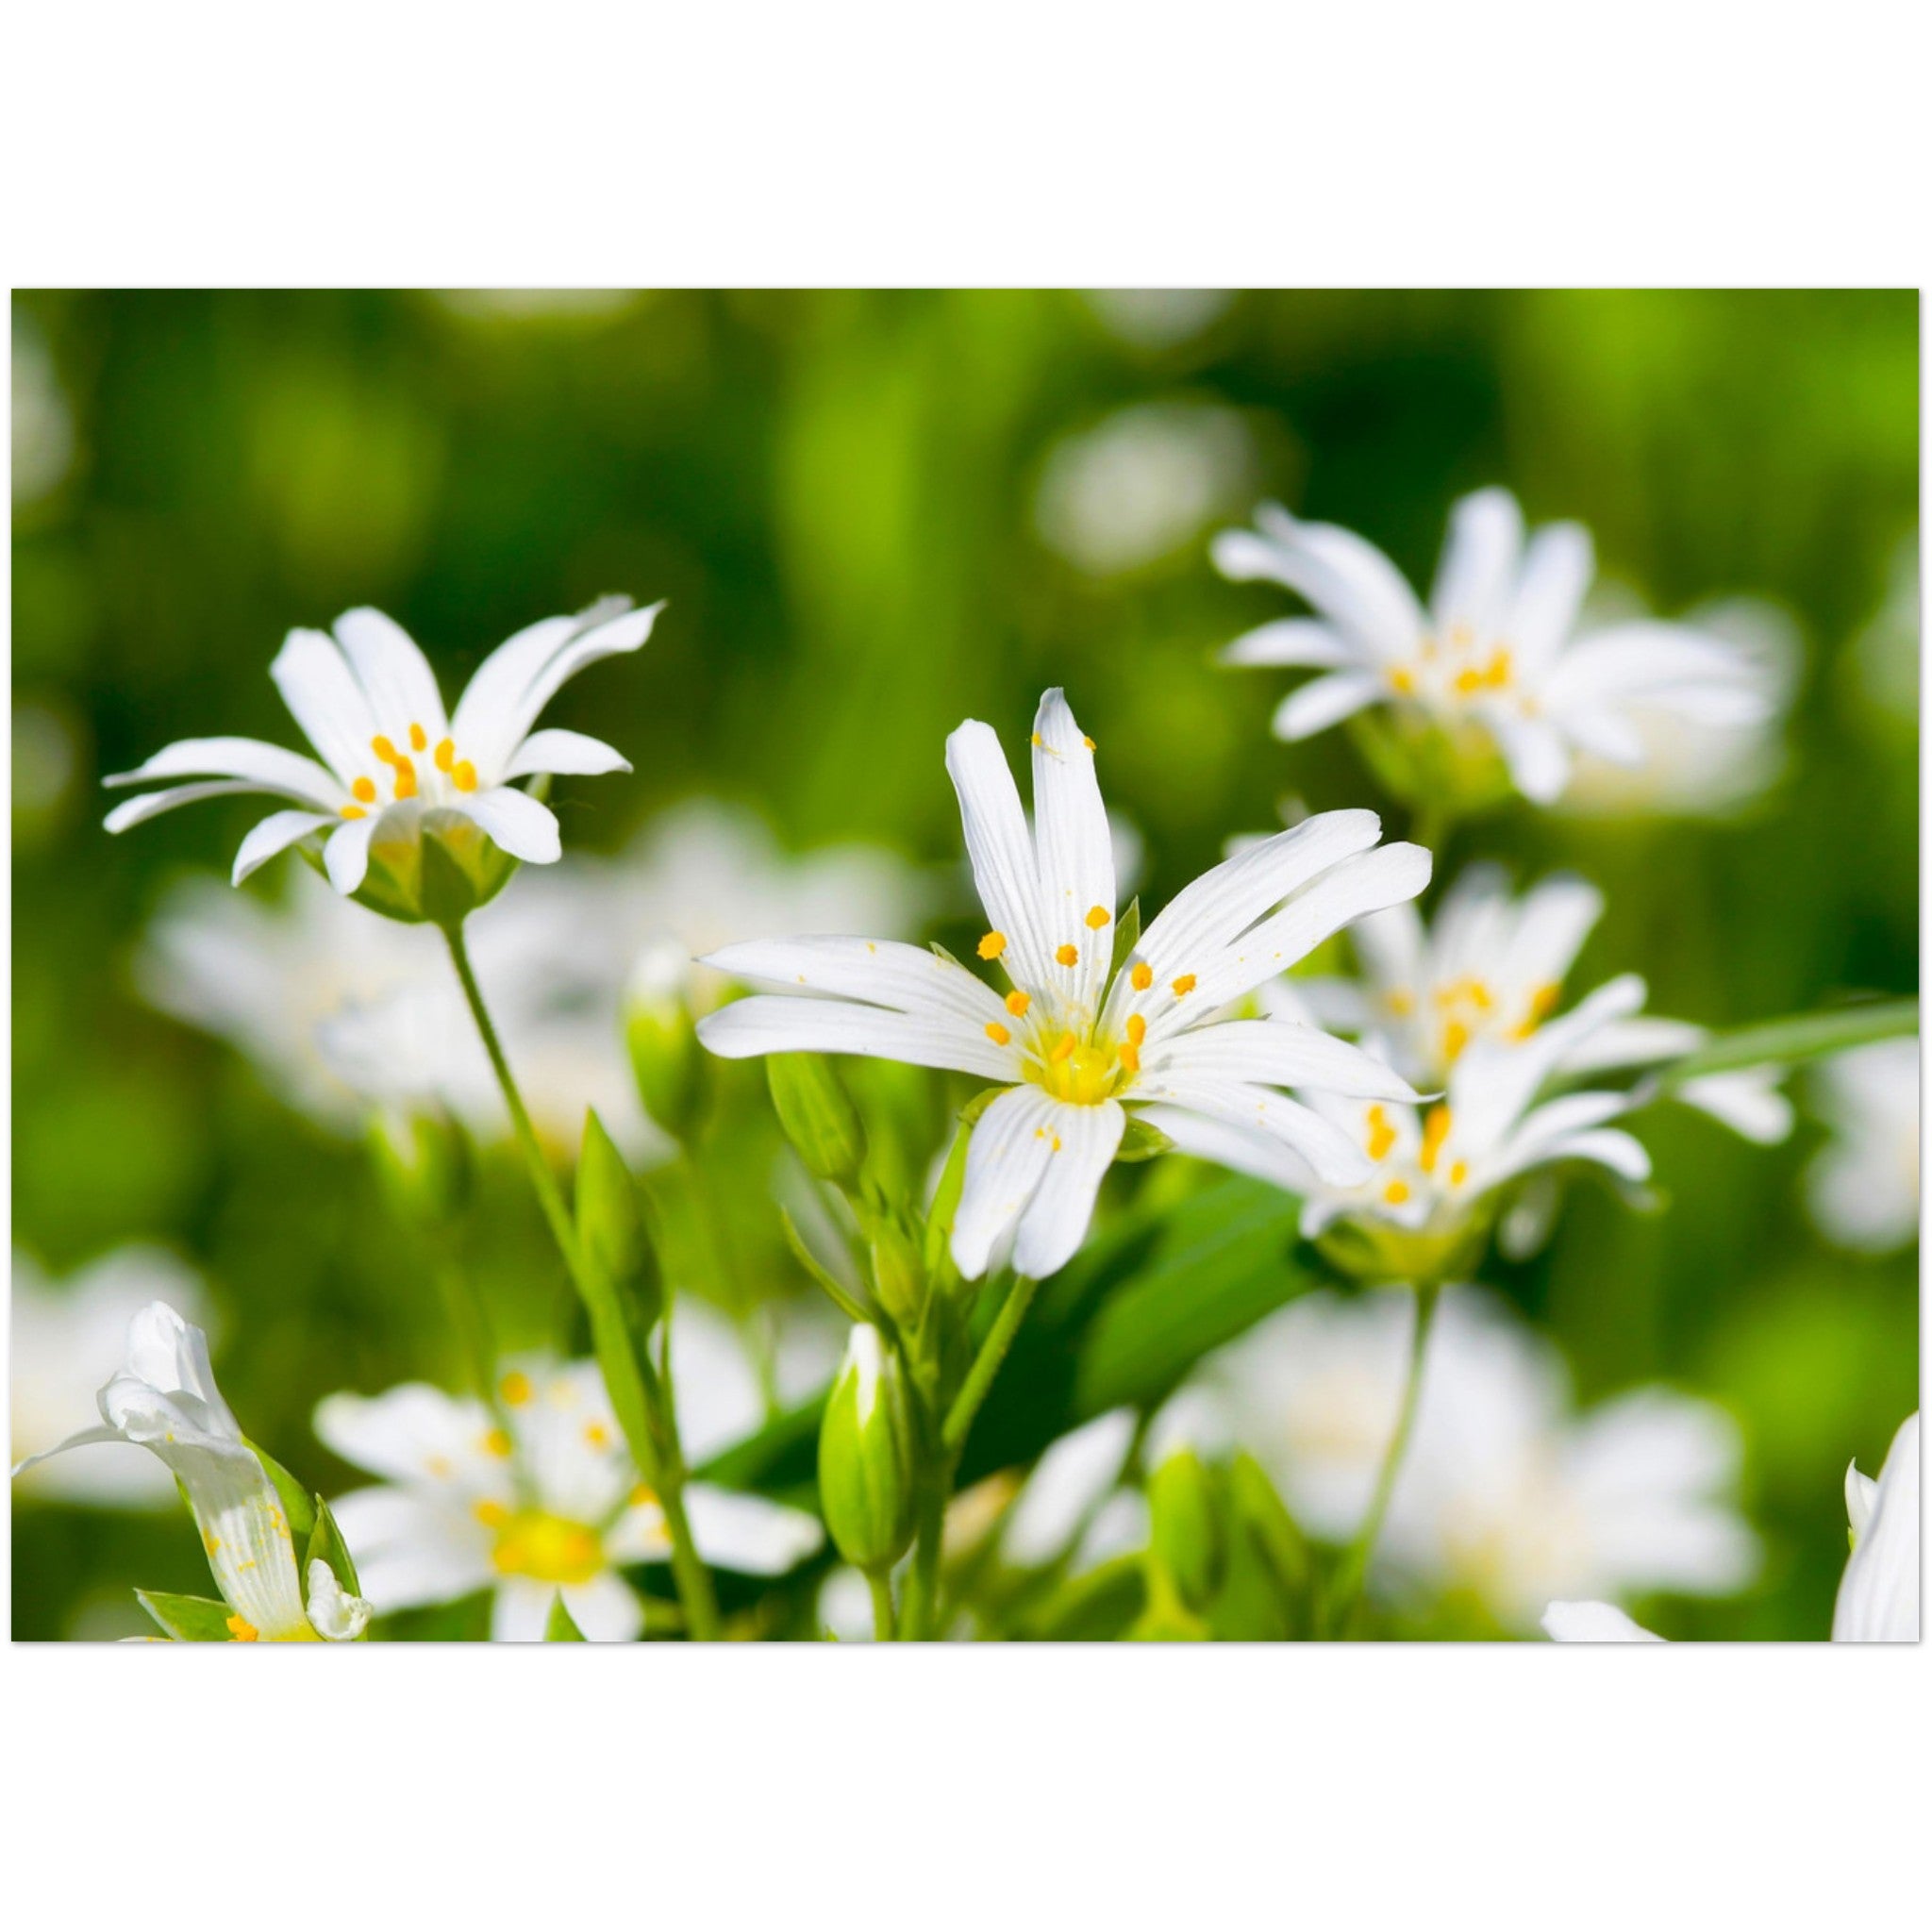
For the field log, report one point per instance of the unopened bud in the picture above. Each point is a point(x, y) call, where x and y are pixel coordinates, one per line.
point(1187, 1538)
point(661, 1033)
point(610, 1227)
point(423, 1162)
point(866, 1461)
point(898, 1275)
point(818, 1116)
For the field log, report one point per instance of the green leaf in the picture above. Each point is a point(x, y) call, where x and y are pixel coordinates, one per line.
point(188, 1618)
point(835, 1292)
point(298, 1506)
point(1799, 1037)
point(326, 1544)
point(1126, 936)
point(610, 1226)
point(562, 1627)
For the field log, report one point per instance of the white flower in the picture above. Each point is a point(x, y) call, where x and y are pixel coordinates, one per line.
point(165, 1399)
point(550, 1504)
point(1877, 1598)
point(1495, 658)
point(392, 765)
point(1080, 1038)
point(1491, 969)
point(62, 1335)
point(343, 1013)
point(1864, 1186)
point(1506, 1494)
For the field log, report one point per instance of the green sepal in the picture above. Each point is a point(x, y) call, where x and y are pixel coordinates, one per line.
point(298, 1505)
point(970, 1114)
point(818, 1116)
point(1141, 1142)
point(561, 1626)
point(610, 1226)
point(325, 1545)
point(1126, 936)
point(1187, 1538)
point(186, 1618)
point(945, 1208)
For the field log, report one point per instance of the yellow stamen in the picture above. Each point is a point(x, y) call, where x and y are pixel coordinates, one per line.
point(1381, 1135)
point(1402, 1004)
point(1468, 681)
point(1088, 743)
point(383, 749)
point(1542, 1003)
point(596, 1435)
point(1038, 742)
point(1017, 1003)
point(1063, 1049)
point(1184, 986)
point(1402, 679)
point(641, 1495)
point(1497, 675)
point(419, 738)
point(1459, 1173)
point(1068, 956)
point(490, 1514)
point(550, 1548)
point(1130, 1057)
point(464, 777)
point(364, 790)
point(991, 945)
point(242, 1631)
point(1137, 1027)
point(353, 812)
point(1097, 916)
point(515, 1388)
point(1455, 1038)
point(1435, 1131)
point(405, 778)
point(497, 1442)
point(445, 754)
point(1396, 1193)
point(1141, 976)
point(998, 1034)
point(211, 1543)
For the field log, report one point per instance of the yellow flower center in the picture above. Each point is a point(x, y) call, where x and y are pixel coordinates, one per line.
point(552, 1549)
point(1082, 1072)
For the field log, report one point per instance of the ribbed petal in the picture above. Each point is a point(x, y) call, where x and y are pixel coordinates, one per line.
point(565, 752)
point(490, 698)
point(1240, 1149)
point(394, 673)
point(606, 1610)
point(151, 805)
point(273, 835)
point(1005, 1161)
point(1878, 1599)
point(345, 857)
point(324, 698)
point(1003, 867)
point(771, 1023)
point(907, 979)
point(1477, 571)
point(1534, 751)
point(747, 1533)
point(1552, 925)
point(266, 767)
point(520, 1613)
point(1279, 1052)
point(518, 822)
point(412, 1433)
point(1325, 702)
point(1083, 1141)
point(1074, 848)
point(1747, 1102)
point(1347, 579)
point(1334, 1156)
point(408, 1551)
point(1556, 569)
point(1295, 641)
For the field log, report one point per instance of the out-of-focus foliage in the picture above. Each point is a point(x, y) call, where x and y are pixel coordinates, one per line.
point(873, 515)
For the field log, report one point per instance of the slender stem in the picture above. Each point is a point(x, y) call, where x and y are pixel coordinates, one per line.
point(1352, 1573)
point(1431, 824)
point(921, 1605)
point(883, 1621)
point(661, 1457)
point(992, 1352)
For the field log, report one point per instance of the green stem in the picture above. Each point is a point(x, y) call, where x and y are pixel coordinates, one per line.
point(1352, 1573)
point(882, 1619)
point(992, 1352)
point(921, 1605)
point(659, 1455)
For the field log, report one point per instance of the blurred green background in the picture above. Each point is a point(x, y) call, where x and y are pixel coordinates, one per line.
point(873, 515)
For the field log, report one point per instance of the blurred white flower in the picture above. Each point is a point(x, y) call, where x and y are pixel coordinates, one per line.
point(1885, 655)
point(548, 1502)
point(43, 440)
point(1083, 1036)
point(1863, 1187)
point(1489, 968)
point(509, 306)
point(65, 1336)
point(1069, 1503)
point(1697, 767)
point(395, 768)
point(1506, 1494)
point(164, 1399)
point(1142, 484)
point(1877, 1598)
point(1495, 658)
point(1156, 319)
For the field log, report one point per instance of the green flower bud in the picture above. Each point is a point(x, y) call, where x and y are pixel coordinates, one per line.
point(610, 1226)
point(422, 1163)
point(818, 1116)
point(661, 1033)
point(433, 867)
point(898, 1275)
point(866, 1461)
point(1375, 1252)
point(1187, 1538)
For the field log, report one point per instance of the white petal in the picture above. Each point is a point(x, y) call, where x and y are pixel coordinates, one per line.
point(1479, 561)
point(490, 698)
point(748, 1533)
point(273, 835)
point(1335, 1159)
point(1533, 750)
point(1279, 1052)
point(1556, 569)
point(606, 1610)
point(521, 1611)
point(150, 805)
point(566, 752)
point(1004, 1161)
point(1240, 1148)
point(1003, 867)
point(335, 1615)
point(1296, 642)
point(1084, 1140)
point(908, 980)
point(1074, 848)
point(1347, 579)
point(412, 1433)
point(769, 1024)
point(1554, 921)
point(1878, 1599)
point(267, 768)
point(410, 1552)
point(1324, 702)
point(1746, 1101)
point(518, 822)
point(393, 671)
point(345, 857)
point(1593, 1623)
point(324, 697)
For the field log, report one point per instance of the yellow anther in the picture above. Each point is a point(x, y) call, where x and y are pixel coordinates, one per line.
point(998, 1034)
point(1056, 1143)
point(1381, 1134)
point(211, 1543)
point(419, 738)
point(1063, 1049)
point(1097, 916)
point(383, 749)
point(991, 945)
point(1479, 996)
point(1396, 1193)
point(1455, 1038)
point(1038, 742)
point(1498, 674)
point(1401, 1002)
point(1141, 976)
point(1402, 679)
point(242, 1631)
point(1469, 680)
point(1088, 743)
point(1068, 956)
point(1184, 986)
point(405, 778)
point(641, 1494)
point(490, 1514)
point(497, 1442)
point(515, 1388)
point(464, 777)
point(1542, 1003)
point(1137, 1027)
point(596, 1435)
point(1435, 1131)
point(353, 812)
point(1459, 1173)
point(1129, 1058)
point(364, 790)
point(1017, 1003)
point(445, 754)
